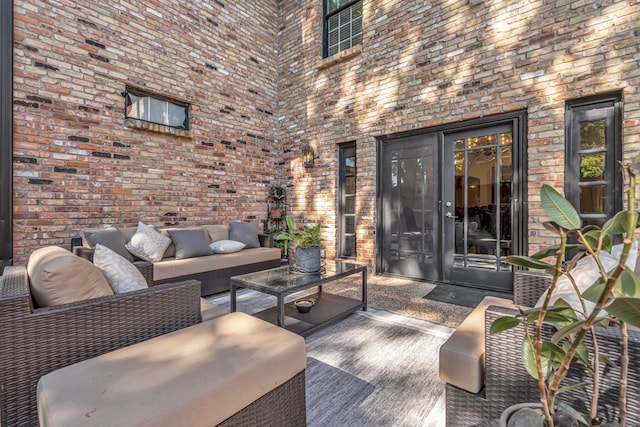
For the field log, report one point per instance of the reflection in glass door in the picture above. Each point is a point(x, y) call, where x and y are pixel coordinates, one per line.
point(477, 205)
point(448, 202)
point(410, 207)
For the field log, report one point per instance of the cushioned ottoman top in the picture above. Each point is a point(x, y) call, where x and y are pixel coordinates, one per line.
point(197, 376)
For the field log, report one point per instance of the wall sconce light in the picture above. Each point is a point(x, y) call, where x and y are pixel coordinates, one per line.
point(308, 156)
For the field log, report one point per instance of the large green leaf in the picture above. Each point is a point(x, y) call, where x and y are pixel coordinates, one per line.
point(557, 314)
point(583, 419)
point(552, 251)
point(550, 356)
point(568, 330)
point(502, 324)
point(559, 209)
point(528, 262)
point(594, 291)
point(628, 284)
point(626, 309)
point(618, 224)
point(593, 237)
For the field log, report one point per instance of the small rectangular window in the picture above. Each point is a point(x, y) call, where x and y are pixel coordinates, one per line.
point(154, 109)
point(342, 25)
point(347, 201)
point(593, 150)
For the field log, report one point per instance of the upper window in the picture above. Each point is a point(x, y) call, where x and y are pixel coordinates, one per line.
point(593, 181)
point(154, 109)
point(342, 25)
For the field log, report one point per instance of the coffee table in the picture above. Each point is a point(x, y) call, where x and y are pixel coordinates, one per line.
point(283, 281)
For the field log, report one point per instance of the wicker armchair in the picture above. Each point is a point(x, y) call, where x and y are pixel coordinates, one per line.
point(507, 383)
point(35, 341)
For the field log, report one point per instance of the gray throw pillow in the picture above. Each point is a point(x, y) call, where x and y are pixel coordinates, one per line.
point(245, 232)
point(190, 242)
point(110, 237)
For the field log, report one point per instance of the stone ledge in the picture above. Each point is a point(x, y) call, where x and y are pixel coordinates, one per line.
point(155, 127)
point(340, 57)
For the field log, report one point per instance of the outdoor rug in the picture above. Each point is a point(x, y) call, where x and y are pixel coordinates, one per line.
point(461, 295)
point(373, 368)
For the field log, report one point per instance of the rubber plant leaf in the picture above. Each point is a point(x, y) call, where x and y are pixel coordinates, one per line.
point(594, 291)
point(503, 324)
point(618, 224)
point(528, 262)
point(626, 309)
point(581, 418)
point(593, 237)
point(550, 355)
point(559, 209)
point(552, 251)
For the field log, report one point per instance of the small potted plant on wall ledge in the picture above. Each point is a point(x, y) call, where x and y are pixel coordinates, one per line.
point(276, 194)
point(306, 240)
point(600, 292)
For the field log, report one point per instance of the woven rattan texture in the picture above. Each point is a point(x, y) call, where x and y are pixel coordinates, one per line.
point(34, 342)
point(284, 406)
point(507, 383)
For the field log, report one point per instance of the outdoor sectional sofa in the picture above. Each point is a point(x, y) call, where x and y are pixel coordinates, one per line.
point(492, 374)
point(213, 271)
point(120, 335)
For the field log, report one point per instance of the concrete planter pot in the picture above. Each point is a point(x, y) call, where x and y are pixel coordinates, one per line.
point(308, 259)
point(530, 415)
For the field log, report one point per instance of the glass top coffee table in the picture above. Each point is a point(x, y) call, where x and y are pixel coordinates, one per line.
point(283, 281)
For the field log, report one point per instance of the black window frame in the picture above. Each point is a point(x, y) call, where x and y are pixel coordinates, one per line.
point(326, 16)
point(143, 94)
point(6, 133)
point(610, 107)
point(346, 150)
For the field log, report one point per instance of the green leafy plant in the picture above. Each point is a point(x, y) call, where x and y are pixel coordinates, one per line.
point(616, 295)
point(303, 237)
point(277, 193)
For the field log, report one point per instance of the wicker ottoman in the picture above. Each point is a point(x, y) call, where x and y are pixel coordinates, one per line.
point(234, 367)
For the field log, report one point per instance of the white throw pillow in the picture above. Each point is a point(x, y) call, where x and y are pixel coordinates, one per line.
point(226, 246)
point(121, 274)
point(148, 244)
point(585, 274)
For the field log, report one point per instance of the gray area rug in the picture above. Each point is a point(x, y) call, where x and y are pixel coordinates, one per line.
point(374, 368)
point(461, 295)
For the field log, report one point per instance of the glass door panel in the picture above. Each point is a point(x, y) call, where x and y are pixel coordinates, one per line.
point(410, 207)
point(477, 205)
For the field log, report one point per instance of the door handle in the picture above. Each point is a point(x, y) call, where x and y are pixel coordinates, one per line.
point(450, 215)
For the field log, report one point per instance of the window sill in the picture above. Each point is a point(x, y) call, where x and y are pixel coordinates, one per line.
point(340, 57)
point(155, 127)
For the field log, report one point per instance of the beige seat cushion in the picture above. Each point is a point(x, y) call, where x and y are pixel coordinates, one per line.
point(462, 355)
point(56, 276)
point(170, 268)
point(198, 376)
point(209, 310)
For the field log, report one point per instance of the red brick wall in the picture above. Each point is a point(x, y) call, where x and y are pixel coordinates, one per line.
point(259, 87)
point(430, 63)
point(77, 164)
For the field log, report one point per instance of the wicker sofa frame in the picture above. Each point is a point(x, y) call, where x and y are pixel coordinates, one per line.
point(35, 341)
point(507, 383)
point(211, 282)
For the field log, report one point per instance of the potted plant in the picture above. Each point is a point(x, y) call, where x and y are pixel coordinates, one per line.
point(307, 240)
point(276, 194)
point(612, 301)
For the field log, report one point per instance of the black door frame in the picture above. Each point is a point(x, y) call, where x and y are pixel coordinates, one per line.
point(6, 132)
point(519, 182)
